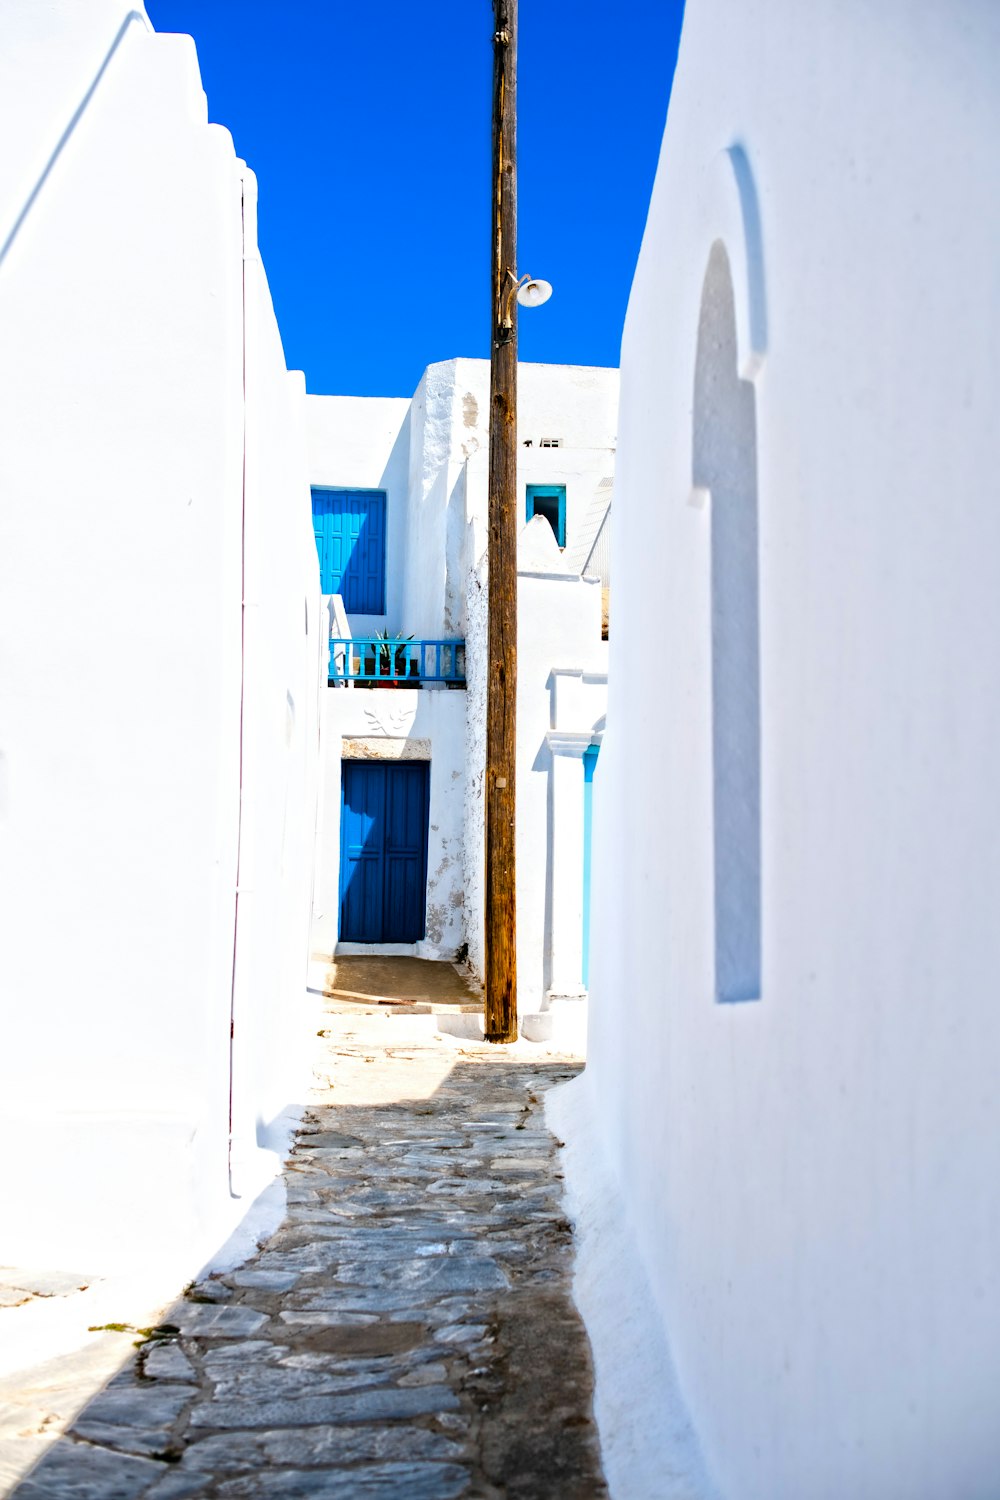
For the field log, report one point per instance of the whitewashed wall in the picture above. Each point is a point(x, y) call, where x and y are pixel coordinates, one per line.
point(575, 404)
point(442, 432)
point(449, 436)
point(577, 719)
point(404, 724)
point(124, 221)
point(558, 630)
point(813, 1177)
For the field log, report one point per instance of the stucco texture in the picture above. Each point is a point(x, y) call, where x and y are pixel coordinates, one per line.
point(159, 629)
point(812, 1175)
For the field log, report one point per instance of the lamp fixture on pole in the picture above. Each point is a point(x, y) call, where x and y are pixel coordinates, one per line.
point(529, 291)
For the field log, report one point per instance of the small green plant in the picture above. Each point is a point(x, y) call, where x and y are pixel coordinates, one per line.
point(391, 654)
point(160, 1333)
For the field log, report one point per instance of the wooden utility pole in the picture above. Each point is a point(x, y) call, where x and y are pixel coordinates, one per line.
point(501, 890)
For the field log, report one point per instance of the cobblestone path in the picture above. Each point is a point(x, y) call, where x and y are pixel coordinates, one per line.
point(409, 1330)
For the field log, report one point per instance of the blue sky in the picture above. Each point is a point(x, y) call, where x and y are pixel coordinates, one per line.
point(368, 126)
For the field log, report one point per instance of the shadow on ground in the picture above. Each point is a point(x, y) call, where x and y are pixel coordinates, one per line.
point(408, 1332)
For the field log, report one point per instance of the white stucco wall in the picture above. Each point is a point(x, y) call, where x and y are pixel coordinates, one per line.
point(363, 443)
point(284, 673)
point(449, 441)
point(403, 724)
point(127, 660)
point(558, 629)
point(813, 1178)
point(576, 404)
point(579, 702)
point(476, 681)
point(440, 435)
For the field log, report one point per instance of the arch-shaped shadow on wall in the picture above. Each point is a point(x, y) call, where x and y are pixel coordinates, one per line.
point(724, 461)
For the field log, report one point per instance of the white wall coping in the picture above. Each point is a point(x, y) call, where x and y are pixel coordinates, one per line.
point(559, 577)
point(590, 678)
point(572, 741)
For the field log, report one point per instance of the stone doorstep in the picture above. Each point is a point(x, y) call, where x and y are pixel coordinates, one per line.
point(418, 1005)
point(369, 998)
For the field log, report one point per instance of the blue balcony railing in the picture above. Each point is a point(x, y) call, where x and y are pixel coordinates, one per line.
point(369, 660)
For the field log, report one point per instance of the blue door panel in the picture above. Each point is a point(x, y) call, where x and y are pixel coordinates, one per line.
point(362, 828)
point(350, 540)
point(383, 858)
point(406, 844)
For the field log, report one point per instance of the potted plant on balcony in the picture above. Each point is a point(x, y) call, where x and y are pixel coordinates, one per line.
point(392, 659)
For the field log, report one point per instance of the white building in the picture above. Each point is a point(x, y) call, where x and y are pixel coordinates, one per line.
point(400, 506)
point(160, 641)
point(794, 1030)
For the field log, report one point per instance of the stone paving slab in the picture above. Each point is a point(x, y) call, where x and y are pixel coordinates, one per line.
point(20, 1285)
point(408, 1331)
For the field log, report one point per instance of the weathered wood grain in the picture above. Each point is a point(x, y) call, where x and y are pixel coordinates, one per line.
point(501, 715)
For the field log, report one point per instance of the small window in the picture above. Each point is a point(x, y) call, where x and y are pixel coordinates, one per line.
point(549, 500)
point(550, 442)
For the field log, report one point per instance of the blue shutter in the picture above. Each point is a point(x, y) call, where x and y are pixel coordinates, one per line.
point(350, 540)
point(371, 556)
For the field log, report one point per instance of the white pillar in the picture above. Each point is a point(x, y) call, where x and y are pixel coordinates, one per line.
point(566, 864)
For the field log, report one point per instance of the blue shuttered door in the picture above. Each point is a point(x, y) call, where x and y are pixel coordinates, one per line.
point(349, 526)
point(362, 837)
point(405, 851)
point(383, 859)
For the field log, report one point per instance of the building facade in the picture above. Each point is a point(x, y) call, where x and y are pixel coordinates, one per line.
point(400, 511)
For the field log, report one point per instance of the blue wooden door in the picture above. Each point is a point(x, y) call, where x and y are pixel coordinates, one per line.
point(349, 526)
point(383, 851)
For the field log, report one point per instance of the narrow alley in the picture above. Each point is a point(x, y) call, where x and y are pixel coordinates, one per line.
point(409, 1330)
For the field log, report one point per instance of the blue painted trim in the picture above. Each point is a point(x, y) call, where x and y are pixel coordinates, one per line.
point(548, 492)
point(373, 658)
point(589, 762)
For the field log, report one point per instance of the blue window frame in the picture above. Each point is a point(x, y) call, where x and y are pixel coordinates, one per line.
point(548, 500)
point(349, 526)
